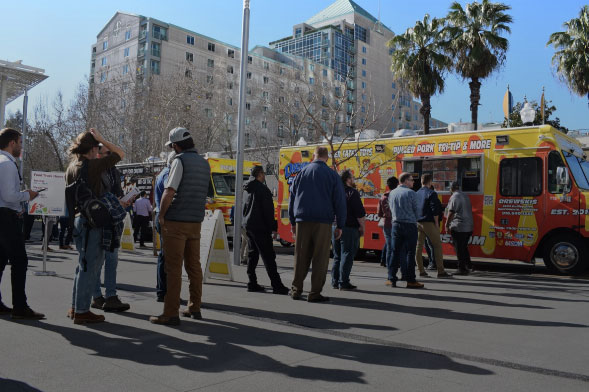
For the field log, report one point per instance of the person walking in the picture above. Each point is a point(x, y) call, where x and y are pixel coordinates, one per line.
point(429, 207)
point(261, 226)
point(404, 214)
point(316, 198)
point(345, 247)
point(90, 241)
point(142, 209)
point(110, 302)
point(160, 181)
point(12, 240)
point(182, 210)
point(459, 224)
point(384, 212)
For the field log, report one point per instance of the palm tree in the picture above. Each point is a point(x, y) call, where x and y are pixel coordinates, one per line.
point(419, 60)
point(475, 33)
point(571, 58)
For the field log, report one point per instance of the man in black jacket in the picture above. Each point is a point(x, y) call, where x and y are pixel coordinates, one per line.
point(261, 226)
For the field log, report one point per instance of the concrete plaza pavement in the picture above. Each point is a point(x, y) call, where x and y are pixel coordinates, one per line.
point(504, 327)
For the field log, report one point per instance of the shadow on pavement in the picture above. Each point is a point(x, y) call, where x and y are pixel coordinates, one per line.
point(7, 385)
point(225, 350)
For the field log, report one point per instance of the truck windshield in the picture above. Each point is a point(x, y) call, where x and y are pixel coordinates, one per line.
point(225, 183)
point(579, 168)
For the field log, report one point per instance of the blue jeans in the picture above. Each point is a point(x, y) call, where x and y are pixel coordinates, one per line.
point(160, 287)
point(111, 260)
point(85, 281)
point(388, 236)
point(344, 251)
point(404, 237)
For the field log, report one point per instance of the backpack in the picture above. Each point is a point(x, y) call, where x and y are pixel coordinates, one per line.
point(80, 197)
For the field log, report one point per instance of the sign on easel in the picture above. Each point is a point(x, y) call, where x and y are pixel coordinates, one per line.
point(214, 251)
point(127, 241)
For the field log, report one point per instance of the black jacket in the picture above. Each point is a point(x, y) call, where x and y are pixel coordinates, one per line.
point(258, 208)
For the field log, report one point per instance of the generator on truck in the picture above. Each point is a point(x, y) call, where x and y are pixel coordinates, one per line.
point(528, 186)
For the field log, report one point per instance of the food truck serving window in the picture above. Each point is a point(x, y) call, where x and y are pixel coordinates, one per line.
point(521, 176)
point(225, 183)
point(467, 171)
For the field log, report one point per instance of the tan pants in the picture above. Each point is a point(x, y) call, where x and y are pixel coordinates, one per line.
point(182, 242)
point(430, 230)
point(311, 249)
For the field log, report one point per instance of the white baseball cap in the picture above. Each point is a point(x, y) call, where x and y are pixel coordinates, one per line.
point(177, 135)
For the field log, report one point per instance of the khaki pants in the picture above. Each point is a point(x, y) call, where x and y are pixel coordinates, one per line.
point(430, 230)
point(311, 249)
point(182, 242)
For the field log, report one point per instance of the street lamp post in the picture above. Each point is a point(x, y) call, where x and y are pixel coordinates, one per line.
point(238, 214)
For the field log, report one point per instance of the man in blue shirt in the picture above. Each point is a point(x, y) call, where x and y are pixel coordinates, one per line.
point(316, 199)
point(12, 242)
point(160, 182)
point(404, 214)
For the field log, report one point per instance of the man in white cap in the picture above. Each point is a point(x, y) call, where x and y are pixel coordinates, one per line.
point(182, 210)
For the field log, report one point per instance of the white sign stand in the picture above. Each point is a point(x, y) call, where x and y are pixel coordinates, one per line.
point(50, 202)
point(214, 250)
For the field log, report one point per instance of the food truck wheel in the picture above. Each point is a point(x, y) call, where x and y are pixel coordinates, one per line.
point(566, 254)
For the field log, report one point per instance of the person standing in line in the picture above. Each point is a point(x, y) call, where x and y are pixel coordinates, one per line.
point(160, 181)
point(182, 210)
point(90, 242)
point(12, 240)
point(110, 302)
point(404, 214)
point(459, 224)
point(316, 198)
point(429, 208)
point(142, 209)
point(345, 248)
point(261, 226)
point(384, 211)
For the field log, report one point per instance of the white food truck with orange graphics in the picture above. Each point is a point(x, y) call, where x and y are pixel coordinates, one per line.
point(529, 188)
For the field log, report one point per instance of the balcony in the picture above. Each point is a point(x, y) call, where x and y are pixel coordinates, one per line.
point(156, 52)
point(351, 85)
point(141, 52)
point(142, 34)
point(351, 98)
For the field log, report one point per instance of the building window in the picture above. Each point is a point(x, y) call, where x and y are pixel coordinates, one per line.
point(393, 96)
point(210, 63)
point(363, 73)
point(127, 35)
point(249, 75)
point(249, 59)
point(210, 79)
point(231, 53)
point(324, 72)
point(230, 85)
point(125, 69)
point(298, 32)
point(211, 47)
point(189, 57)
point(209, 95)
point(281, 71)
point(105, 45)
point(265, 94)
point(230, 69)
point(266, 65)
point(363, 97)
point(102, 77)
point(155, 67)
point(266, 80)
point(155, 49)
point(363, 84)
point(209, 113)
point(364, 49)
point(126, 52)
point(265, 108)
point(363, 61)
point(103, 61)
point(264, 124)
point(230, 101)
point(362, 109)
point(249, 91)
point(123, 103)
point(160, 32)
point(311, 80)
point(190, 40)
point(394, 85)
point(281, 99)
point(280, 131)
point(188, 73)
point(248, 121)
point(312, 67)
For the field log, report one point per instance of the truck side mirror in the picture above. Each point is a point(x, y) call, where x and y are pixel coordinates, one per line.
point(562, 177)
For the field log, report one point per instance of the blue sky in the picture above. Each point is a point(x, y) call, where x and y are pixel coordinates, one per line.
point(57, 36)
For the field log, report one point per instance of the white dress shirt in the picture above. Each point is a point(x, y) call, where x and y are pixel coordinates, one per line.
point(10, 194)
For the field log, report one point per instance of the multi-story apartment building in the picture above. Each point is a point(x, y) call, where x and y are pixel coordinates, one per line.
point(342, 45)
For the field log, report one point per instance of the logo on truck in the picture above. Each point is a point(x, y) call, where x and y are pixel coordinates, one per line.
point(292, 169)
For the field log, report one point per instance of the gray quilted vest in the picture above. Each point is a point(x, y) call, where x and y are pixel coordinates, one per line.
point(189, 201)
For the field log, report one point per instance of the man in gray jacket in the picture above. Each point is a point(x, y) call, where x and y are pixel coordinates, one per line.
point(182, 211)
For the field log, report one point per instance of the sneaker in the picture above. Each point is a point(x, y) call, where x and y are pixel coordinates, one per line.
point(254, 287)
point(423, 274)
point(88, 318)
point(415, 285)
point(164, 320)
point(4, 309)
point(432, 267)
point(70, 313)
point(347, 287)
point(281, 290)
point(98, 302)
point(444, 275)
point(26, 313)
point(318, 298)
point(295, 295)
point(194, 315)
point(114, 304)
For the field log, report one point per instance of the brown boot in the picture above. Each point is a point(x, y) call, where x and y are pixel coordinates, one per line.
point(415, 285)
point(87, 318)
point(164, 320)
